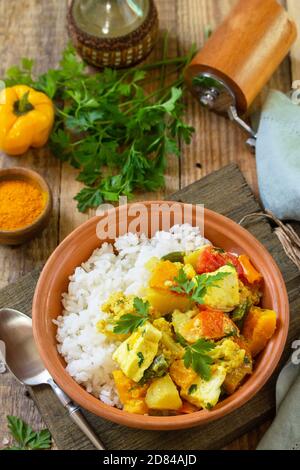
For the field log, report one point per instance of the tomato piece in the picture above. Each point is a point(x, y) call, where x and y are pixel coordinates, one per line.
point(209, 260)
point(230, 258)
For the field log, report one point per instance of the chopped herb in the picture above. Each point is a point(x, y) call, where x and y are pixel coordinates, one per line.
point(239, 312)
point(174, 257)
point(26, 438)
point(204, 281)
point(198, 286)
point(209, 406)
point(131, 321)
point(192, 389)
point(158, 368)
point(197, 358)
point(140, 355)
point(128, 348)
point(180, 339)
point(247, 360)
point(184, 284)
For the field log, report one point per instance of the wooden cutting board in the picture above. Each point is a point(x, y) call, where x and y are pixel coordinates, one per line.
point(226, 192)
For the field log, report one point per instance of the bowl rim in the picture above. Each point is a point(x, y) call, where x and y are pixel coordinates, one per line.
point(96, 406)
point(27, 174)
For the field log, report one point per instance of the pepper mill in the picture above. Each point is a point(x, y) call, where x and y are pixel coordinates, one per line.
point(240, 57)
point(113, 33)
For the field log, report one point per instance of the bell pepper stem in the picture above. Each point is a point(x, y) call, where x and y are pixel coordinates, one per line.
point(23, 106)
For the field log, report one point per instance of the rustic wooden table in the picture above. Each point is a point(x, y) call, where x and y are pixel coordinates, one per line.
point(37, 29)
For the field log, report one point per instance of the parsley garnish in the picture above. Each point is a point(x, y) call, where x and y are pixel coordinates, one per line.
point(131, 321)
point(192, 389)
point(140, 355)
point(196, 287)
point(197, 358)
point(108, 126)
point(184, 284)
point(26, 438)
point(180, 339)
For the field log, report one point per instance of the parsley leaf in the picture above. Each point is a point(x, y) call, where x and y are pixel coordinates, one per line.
point(140, 355)
point(198, 286)
point(26, 438)
point(197, 358)
point(131, 321)
point(203, 282)
point(192, 389)
point(180, 339)
point(184, 284)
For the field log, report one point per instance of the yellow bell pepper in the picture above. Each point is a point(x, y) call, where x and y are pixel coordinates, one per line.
point(26, 119)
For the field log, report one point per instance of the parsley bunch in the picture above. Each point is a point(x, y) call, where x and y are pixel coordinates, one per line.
point(108, 127)
point(25, 437)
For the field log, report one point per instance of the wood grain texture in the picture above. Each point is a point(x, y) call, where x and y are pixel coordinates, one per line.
point(36, 28)
point(69, 215)
point(212, 436)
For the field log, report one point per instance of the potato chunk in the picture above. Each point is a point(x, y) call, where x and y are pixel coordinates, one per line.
point(136, 354)
point(166, 301)
point(224, 295)
point(163, 395)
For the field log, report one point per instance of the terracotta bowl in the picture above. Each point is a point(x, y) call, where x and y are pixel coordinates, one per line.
point(79, 245)
point(22, 235)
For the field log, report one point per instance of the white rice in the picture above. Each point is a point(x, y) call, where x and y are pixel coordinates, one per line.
point(87, 352)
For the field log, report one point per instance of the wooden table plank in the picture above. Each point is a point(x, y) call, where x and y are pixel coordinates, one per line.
point(37, 29)
point(32, 29)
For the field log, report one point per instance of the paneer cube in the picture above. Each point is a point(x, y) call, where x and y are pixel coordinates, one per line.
point(136, 354)
point(205, 393)
point(224, 294)
point(163, 395)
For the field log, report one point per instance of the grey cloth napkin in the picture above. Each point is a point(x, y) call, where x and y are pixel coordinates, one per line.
point(284, 433)
point(278, 156)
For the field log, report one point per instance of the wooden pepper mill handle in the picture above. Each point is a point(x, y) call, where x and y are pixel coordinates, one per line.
point(246, 49)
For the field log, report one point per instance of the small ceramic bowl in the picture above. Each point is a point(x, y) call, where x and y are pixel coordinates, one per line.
point(78, 247)
point(22, 235)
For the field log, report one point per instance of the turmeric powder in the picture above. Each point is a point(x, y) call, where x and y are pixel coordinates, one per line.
point(21, 203)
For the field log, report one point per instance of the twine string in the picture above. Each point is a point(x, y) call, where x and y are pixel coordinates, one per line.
point(287, 236)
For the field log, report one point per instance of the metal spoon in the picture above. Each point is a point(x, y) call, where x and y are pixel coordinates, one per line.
point(23, 361)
